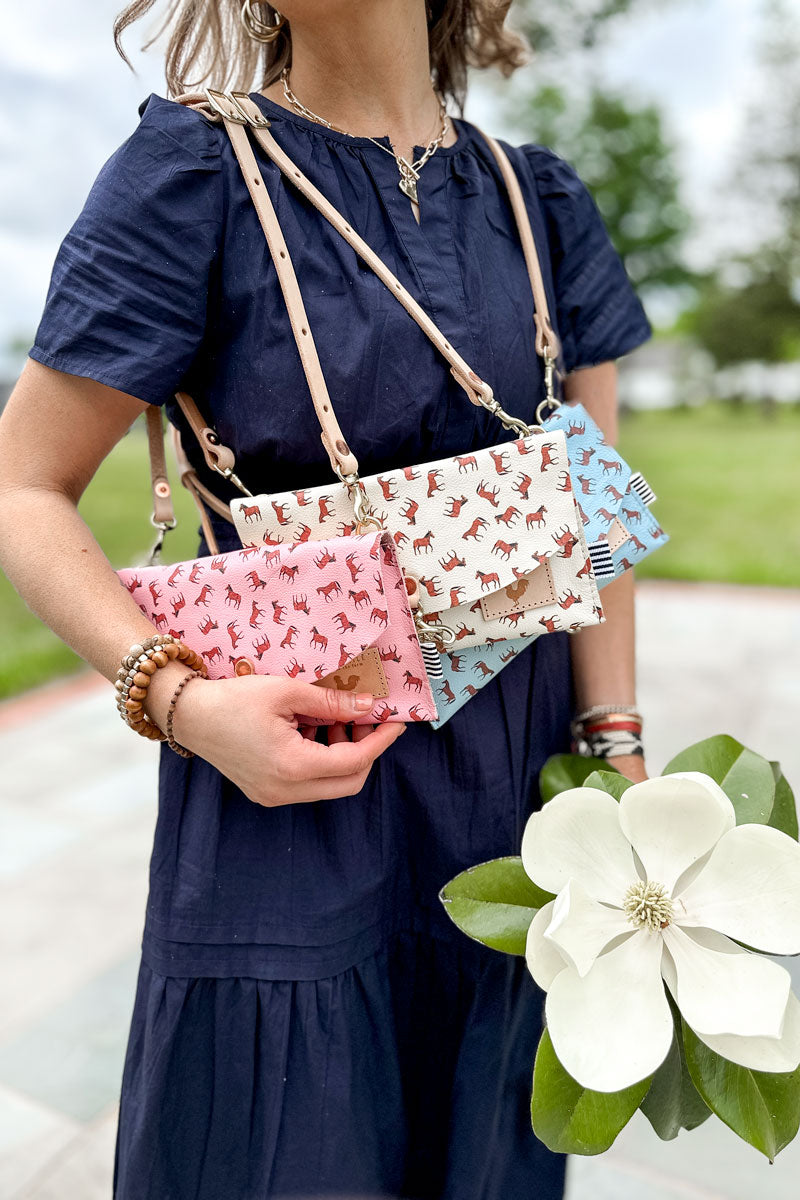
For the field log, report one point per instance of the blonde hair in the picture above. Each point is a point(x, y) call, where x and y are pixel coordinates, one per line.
point(208, 44)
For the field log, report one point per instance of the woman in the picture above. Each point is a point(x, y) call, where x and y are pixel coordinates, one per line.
point(307, 1021)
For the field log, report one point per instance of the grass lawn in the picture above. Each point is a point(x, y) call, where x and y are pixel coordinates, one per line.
point(728, 487)
point(116, 506)
point(726, 480)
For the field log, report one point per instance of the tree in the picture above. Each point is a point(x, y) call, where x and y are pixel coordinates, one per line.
point(554, 27)
point(620, 152)
point(757, 314)
point(769, 168)
point(758, 322)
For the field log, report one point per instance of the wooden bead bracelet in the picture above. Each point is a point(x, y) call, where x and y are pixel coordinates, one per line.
point(184, 753)
point(133, 679)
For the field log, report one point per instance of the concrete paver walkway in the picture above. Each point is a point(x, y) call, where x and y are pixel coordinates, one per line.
point(77, 809)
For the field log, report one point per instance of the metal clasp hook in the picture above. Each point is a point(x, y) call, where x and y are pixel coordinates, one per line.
point(550, 401)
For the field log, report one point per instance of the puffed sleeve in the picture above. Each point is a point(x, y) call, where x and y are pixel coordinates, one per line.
point(127, 299)
point(599, 316)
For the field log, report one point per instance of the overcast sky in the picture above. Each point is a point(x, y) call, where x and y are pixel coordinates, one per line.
point(67, 100)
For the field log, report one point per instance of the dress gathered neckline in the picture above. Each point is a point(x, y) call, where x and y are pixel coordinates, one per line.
point(462, 128)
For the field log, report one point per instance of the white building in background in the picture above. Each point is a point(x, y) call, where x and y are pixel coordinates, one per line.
point(670, 371)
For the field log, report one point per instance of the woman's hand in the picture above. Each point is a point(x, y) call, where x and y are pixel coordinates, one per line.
point(630, 765)
point(249, 728)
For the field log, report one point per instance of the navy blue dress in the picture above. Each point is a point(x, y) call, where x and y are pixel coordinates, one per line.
point(307, 1021)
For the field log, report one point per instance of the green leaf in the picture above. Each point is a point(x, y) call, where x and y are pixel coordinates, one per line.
point(673, 1102)
point(564, 771)
point(608, 781)
point(761, 1107)
point(784, 810)
point(745, 777)
point(571, 1119)
point(494, 903)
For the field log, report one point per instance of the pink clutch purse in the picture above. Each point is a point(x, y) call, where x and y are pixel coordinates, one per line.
point(335, 613)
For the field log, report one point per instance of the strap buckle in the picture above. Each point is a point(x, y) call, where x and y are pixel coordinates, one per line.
point(257, 122)
point(211, 95)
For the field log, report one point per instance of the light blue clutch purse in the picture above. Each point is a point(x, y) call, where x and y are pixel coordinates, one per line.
point(614, 503)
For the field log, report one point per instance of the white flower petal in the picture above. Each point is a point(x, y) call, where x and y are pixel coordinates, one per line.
point(576, 835)
point(749, 889)
point(756, 1053)
point(761, 1053)
point(723, 989)
point(582, 927)
point(614, 1026)
point(674, 820)
point(543, 958)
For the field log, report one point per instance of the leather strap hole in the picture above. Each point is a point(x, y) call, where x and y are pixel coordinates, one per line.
point(283, 254)
point(304, 331)
point(325, 408)
point(256, 180)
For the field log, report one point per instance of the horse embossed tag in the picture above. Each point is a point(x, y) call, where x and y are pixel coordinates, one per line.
point(364, 673)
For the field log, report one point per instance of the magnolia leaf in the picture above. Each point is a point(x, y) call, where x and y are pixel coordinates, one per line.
point(564, 771)
point(571, 1119)
point(784, 810)
point(608, 781)
point(744, 776)
point(494, 903)
point(673, 1102)
point(761, 1107)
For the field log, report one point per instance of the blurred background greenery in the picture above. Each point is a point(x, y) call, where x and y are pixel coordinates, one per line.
point(710, 408)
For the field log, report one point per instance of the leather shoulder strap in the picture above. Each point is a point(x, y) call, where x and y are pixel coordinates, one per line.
point(546, 338)
point(465, 376)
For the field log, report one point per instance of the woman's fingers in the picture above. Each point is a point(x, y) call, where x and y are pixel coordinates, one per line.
point(308, 761)
point(361, 731)
point(340, 732)
point(330, 704)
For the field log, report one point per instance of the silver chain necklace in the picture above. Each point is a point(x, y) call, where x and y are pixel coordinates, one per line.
point(409, 172)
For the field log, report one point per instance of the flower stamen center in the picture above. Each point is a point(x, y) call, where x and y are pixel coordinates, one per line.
point(648, 905)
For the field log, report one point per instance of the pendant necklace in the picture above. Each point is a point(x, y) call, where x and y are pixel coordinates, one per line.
point(409, 171)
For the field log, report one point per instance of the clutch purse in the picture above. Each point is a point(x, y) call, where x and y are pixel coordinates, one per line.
point(333, 613)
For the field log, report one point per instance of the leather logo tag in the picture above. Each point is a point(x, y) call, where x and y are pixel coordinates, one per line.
point(364, 673)
point(529, 591)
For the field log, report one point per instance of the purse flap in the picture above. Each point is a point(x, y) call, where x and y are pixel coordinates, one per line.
point(464, 527)
point(600, 477)
point(311, 611)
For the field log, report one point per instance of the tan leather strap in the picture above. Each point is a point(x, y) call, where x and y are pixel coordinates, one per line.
point(475, 387)
point(341, 457)
point(546, 338)
point(545, 334)
point(163, 511)
point(197, 489)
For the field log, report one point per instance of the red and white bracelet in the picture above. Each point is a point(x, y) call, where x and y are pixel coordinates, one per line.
point(607, 731)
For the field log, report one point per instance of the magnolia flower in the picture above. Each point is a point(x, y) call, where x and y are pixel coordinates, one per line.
point(654, 888)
